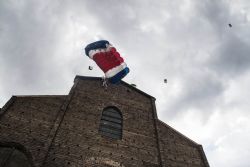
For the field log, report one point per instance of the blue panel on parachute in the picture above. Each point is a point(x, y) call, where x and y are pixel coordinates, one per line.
point(96, 45)
point(117, 78)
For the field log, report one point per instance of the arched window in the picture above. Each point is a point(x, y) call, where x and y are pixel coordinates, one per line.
point(111, 123)
point(11, 157)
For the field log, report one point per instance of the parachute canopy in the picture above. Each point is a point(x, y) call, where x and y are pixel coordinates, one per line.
point(108, 59)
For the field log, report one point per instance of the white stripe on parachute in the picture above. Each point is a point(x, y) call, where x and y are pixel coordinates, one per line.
point(95, 51)
point(112, 72)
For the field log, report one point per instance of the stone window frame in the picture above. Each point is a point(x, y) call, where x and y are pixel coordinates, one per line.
point(111, 123)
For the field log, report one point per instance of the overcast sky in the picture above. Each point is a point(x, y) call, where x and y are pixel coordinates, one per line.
point(188, 42)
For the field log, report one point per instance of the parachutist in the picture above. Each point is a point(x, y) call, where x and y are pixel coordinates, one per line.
point(230, 25)
point(108, 59)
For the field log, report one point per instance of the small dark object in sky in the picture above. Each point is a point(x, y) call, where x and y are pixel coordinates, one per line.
point(230, 25)
point(165, 80)
point(134, 85)
point(90, 68)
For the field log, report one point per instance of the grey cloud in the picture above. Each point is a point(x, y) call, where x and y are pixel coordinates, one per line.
point(217, 13)
point(187, 42)
point(201, 91)
point(29, 37)
point(231, 58)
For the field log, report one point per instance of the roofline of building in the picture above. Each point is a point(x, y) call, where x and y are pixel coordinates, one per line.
point(187, 139)
point(14, 97)
point(199, 146)
point(27, 96)
point(203, 156)
point(122, 82)
point(7, 105)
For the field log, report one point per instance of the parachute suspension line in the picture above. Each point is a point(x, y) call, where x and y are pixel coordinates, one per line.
point(104, 82)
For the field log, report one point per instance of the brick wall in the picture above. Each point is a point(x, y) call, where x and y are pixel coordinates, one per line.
point(177, 150)
point(28, 121)
point(78, 142)
point(61, 131)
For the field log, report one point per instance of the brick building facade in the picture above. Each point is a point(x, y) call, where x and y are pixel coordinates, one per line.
point(92, 126)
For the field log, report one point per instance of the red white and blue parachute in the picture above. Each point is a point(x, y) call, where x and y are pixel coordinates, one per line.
point(108, 59)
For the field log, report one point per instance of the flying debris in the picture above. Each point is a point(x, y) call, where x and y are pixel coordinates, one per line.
point(134, 85)
point(165, 80)
point(230, 25)
point(108, 59)
point(90, 68)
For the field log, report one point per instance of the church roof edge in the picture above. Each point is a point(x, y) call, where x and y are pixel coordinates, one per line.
point(123, 82)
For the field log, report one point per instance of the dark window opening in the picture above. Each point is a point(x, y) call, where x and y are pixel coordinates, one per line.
point(111, 123)
point(11, 157)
